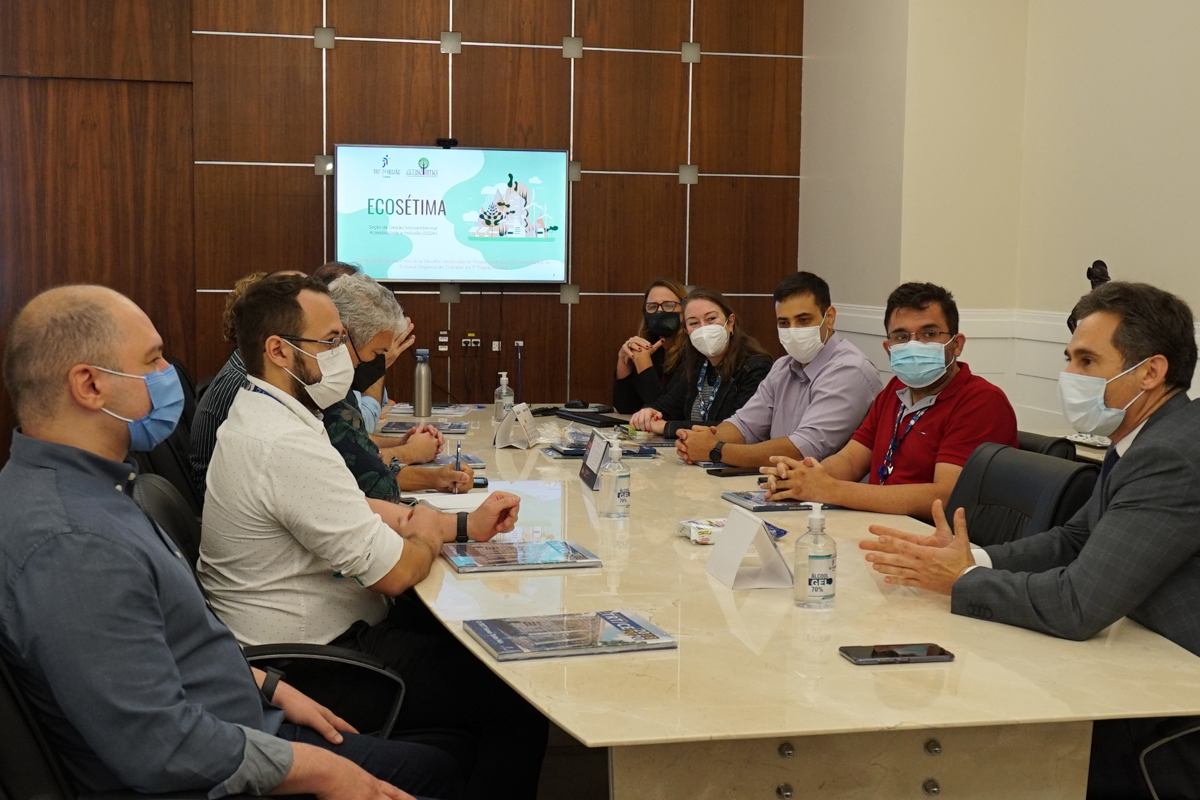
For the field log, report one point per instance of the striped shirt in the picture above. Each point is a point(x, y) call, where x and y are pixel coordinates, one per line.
point(211, 411)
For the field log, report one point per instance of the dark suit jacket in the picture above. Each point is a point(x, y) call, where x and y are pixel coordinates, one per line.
point(1133, 550)
point(676, 403)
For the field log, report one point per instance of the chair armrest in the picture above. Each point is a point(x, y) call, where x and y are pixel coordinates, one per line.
point(319, 670)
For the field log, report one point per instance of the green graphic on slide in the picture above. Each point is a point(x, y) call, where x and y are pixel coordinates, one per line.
point(506, 213)
point(374, 250)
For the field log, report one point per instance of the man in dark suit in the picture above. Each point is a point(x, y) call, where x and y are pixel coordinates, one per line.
point(1133, 550)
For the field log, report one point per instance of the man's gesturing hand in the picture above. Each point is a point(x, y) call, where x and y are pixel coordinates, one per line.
point(932, 562)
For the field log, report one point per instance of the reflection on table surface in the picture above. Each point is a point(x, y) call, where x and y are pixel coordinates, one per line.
point(750, 664)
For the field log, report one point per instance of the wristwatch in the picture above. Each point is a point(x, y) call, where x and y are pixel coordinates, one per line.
point(715, 453)
point(461, 538)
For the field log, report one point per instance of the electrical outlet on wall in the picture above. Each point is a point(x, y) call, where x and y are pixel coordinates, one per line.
point(495, 347)
point(519, 343)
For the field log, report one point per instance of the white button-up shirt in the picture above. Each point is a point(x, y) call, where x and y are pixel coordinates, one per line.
point(289, 543)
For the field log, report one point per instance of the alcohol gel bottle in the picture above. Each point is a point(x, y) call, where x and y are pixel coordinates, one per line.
point(816, 564)
point(614, 484)
point(504, 398)
point(422, 385)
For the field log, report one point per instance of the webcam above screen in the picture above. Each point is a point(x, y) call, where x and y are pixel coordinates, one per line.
point(457, 215)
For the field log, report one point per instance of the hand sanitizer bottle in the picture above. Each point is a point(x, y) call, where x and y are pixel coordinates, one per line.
point(614, 484)
point(504, 398)
point(815, 564)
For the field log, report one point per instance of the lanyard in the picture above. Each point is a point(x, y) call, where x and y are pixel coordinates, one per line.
point(703, 407)
point(885, 469)
point(246, 384)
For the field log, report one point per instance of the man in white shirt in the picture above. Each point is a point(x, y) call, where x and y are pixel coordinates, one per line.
point(293, 551)
point(1133, 550)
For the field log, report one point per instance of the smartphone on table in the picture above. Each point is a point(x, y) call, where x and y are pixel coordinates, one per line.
point(871, 654)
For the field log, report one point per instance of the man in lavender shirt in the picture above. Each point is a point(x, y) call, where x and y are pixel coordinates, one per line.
point(812, 400)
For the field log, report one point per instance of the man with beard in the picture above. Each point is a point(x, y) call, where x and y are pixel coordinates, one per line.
point(293, 551)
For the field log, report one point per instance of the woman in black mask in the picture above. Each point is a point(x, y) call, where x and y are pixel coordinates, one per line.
point(648, 359)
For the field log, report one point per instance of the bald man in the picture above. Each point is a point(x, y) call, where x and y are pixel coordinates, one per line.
point(136, 682)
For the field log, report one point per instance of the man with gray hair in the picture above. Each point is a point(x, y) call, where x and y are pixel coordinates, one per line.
point(136, 682)
point(373, 320)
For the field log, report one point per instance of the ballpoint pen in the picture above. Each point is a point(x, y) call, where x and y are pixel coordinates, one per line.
point(457, 463)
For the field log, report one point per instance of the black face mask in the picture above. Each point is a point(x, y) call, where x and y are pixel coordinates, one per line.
point(662, 324)
point(368, 373)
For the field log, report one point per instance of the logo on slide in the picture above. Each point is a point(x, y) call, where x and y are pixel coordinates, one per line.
point(424, 171)
point(385, 160)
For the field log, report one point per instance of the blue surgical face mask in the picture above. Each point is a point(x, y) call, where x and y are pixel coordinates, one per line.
point(166, 404)
point(918, 364)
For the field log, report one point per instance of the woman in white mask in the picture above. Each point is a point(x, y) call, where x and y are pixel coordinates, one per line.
point(721, 369)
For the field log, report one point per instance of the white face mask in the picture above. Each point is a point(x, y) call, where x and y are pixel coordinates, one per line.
point(337, 374)
point(710, 339)
point(1083, 402)
point(802, 344)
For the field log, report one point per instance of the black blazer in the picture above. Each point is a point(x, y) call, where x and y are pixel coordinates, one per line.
point(640, 389)
point(676, 402)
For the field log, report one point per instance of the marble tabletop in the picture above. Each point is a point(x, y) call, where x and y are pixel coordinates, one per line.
point(750, 664)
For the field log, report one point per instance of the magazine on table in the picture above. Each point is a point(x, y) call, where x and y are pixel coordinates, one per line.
point(518, 638)
point(504, 557)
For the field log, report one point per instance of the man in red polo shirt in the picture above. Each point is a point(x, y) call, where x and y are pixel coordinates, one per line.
point(922, 427)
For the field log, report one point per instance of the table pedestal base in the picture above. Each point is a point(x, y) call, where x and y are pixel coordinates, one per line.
point(1030, 762)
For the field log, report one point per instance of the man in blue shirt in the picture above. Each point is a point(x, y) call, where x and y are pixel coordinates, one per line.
point(102, 623)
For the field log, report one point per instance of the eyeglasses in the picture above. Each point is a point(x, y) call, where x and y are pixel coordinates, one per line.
point(670, 305)
point(330, 344)
point(926, 337)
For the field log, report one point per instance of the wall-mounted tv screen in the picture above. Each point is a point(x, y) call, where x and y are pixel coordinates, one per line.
point(451, 216)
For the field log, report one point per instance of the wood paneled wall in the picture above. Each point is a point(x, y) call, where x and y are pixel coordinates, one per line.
point(165, 148)
point(630, 111)
point(96, 158)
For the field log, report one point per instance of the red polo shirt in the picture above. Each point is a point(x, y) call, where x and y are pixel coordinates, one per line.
point(967, 413)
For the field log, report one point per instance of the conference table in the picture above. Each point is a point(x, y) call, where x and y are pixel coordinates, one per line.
point(756, 701)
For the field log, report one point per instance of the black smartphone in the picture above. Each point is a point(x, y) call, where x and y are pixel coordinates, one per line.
point(895, 653)
point(732, 472)
point(480, 483)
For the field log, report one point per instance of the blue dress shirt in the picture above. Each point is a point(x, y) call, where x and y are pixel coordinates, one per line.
point(135, 680)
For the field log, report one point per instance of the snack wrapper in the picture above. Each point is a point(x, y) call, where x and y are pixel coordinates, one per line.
point(705, 531)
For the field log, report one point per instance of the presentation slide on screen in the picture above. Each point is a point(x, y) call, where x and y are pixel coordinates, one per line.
point(429, 214)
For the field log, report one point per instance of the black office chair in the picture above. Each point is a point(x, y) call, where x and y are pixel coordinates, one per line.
point(1057, 446)
point(1009, 493)
point(31, 770)
point(189, 391)
point(170, 460)
point(313, 669)
point(202, 387)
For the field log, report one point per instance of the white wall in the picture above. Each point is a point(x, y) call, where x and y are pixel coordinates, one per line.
point(1112, 147)
point(964, 99)
point(1038, 136)
point(852, 131)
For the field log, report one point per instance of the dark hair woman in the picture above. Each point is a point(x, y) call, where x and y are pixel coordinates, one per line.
point(722, 367)
point(648, 359)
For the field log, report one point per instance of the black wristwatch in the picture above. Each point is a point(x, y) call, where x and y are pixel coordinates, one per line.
point(715, 453)
point(461, 538)
point(271, 683)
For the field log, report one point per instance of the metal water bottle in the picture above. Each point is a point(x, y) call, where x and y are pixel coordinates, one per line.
point(422, 385)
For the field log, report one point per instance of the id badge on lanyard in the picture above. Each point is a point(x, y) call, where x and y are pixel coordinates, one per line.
point(886, 468)
point(704, 407)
